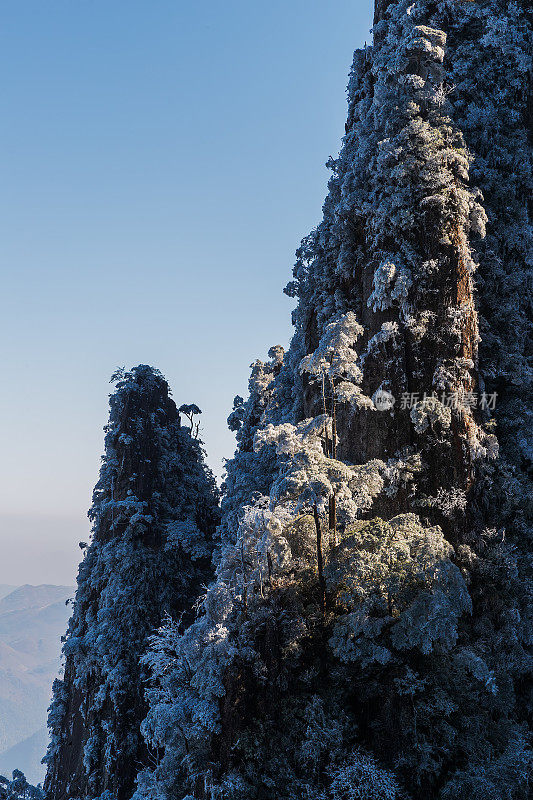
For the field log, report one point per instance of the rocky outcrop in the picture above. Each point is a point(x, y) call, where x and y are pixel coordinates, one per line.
point(154, 513)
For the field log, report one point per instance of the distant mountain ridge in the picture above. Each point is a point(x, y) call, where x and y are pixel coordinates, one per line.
point(32, 621)
point(27, 596)
point(28, 752)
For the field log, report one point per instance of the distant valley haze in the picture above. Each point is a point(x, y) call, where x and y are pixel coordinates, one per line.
point(39, 549)
point(32, 621)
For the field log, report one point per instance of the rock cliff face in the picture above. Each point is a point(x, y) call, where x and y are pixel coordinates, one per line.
point(154, 512)
point(368, 629)
point(397, 248)
point(368, 633)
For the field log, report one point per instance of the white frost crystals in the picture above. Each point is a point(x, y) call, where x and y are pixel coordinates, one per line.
point(392, 282)
point(400, 589)
point(335, 356)
point(431, 413)
point(336, 360)
point(427, 42)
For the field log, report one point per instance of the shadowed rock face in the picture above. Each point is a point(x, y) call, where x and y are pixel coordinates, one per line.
point(152, 478)
point(380, 9)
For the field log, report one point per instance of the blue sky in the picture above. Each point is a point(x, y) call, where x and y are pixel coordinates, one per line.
point(160, 162)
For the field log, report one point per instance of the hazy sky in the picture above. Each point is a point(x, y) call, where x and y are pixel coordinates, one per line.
point(160, 162)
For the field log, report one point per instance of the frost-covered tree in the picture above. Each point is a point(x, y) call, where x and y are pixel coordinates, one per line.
point(405, 394)
point(154, 513)
point(18, 788)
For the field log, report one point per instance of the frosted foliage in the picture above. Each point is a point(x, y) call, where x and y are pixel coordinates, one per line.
point(508, 777)
point(360, 778)
point(400, 588)
point(336, 360)
point(389, 331)
point(188, 670)
point(335, 356)
point(154, 513)
point(401, 471)
point(478, 668)
point(185, 535)
point(292, 439)
point(351, 393)
point(250, 472)
point(432, 618)
point(391, 285)
point(431, 414)
point(260, 546)
point(18, 788)
point(306, 476)
point(452, 503)
point(426, 647)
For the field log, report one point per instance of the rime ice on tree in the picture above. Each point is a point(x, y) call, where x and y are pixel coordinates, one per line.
point(154, 512)
point(411, 681)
